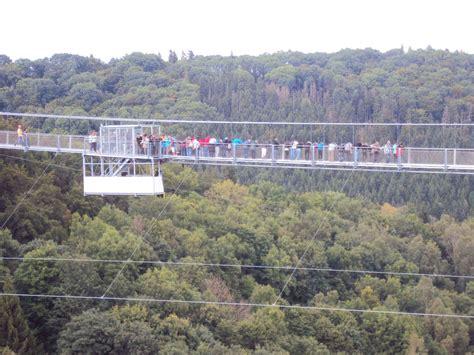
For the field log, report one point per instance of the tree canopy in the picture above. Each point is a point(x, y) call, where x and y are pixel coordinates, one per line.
point(390, 223)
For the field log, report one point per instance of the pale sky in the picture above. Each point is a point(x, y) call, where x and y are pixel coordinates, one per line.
point(112, 28)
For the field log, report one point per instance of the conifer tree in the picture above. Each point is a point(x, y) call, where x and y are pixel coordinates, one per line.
point(15, 333)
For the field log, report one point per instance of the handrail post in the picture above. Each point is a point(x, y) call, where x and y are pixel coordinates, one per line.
point(101, 141)
point(454, 156)
point(234, 158)
point(445, 159)
point(58, 143)
point(70, 142)
point(273, 154)
point(355, 156)
point(313, 155)
point(134, 144)
point(408, 155)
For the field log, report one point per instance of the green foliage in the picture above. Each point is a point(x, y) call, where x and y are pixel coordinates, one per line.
point(263, 327)
point(14, 330)
point(385, 333)
point(382, 222)
point(91, 332)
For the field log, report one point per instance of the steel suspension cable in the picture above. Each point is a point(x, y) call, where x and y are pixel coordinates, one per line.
point(241, 266)
point(143, 237)
point(39, 162)
point(264, 123)
point(29, 191)
point(237, 304)
point(310, 243)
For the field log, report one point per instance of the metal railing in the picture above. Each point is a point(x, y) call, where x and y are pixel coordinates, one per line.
point(263, 154)
point(439, 158)
point(36, 140)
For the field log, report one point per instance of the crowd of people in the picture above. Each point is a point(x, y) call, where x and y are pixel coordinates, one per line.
point(153, 144)
point(210, 147)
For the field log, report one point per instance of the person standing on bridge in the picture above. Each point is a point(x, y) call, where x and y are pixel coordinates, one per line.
point(195, 146)
point(275, 144)
point(293, 148)
point(253, 149)
point(307, 150)
point(228, 147)
point(19, 133)
point(375, 151)
point(145, 144)
point(139, 140)
point(387, 151)
point(93, 141)
point(399, 153)
point(26, 140)
point(189, 146)
point(348, 151)
point(332, 151)
point(320, 150)
point(212, 147)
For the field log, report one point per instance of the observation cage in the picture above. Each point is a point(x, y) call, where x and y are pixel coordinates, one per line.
point(125, 161)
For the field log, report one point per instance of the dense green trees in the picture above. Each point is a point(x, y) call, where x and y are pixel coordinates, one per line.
point(350, 85)
point(15, 334)
point(382, 222)
point(234, 224)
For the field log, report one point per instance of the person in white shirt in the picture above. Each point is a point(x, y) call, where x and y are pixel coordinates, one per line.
point(213, 147)
point(294, 146)
point(348, 150)
point(195, 145)
point(332, 151)
point(387, 151)
point(93, 141)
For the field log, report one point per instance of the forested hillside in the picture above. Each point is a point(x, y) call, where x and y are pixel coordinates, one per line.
point(237, 219)
point(348, 86)
point(211, 220)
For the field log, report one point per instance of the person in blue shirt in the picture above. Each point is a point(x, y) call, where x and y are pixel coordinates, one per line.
point(320, 150)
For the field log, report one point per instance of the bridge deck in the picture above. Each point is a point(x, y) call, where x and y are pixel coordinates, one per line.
point(414, 160)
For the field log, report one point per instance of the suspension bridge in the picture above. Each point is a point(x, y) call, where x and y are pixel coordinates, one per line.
point(119, 165)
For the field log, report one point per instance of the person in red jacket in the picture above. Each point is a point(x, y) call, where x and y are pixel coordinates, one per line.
point(399, 152)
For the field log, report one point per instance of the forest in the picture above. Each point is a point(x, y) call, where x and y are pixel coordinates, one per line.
point(348, 86)
point(229, 235)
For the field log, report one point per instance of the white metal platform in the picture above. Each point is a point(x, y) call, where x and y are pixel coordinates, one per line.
point(119, 185)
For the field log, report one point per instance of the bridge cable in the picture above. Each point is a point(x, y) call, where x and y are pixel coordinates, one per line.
point(30, 190)
point(310, 243)
point(238, 304)
point(143, 238)
point(260, 123)
point(39, 162)
point(242, 266)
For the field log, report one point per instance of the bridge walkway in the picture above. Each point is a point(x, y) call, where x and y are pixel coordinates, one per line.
point(413, 159)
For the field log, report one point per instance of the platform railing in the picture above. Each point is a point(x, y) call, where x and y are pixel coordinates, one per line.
point(305, 154)
point(269, 154)
point(44, 140)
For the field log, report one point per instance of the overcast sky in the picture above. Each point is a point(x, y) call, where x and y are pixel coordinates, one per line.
point(112, 28)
